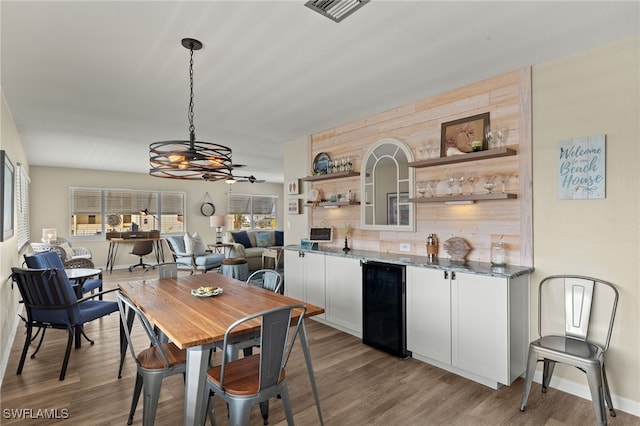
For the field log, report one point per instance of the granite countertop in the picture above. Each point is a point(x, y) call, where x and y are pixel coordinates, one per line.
point(478, 268)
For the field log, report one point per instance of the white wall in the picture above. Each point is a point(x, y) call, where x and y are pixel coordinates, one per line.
point(296, 160)
point(50, 202)
point(9, 256)
point(590, 93)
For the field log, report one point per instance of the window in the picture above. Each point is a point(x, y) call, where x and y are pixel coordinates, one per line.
point(24, 235)
point(95, 211)
point(245, 211)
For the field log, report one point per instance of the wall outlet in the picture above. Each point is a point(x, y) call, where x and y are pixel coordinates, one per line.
point(405, 247)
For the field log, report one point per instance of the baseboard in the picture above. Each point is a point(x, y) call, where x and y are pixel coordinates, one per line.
point(582, 391)
point(7, 347)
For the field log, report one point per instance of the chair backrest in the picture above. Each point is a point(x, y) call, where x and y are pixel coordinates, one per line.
point(176, 243)
point(43, 260)
point(578, 294)
point(79, 262)
point(48, 295)
point(142, 248)
point(267, 278)
point(167, 270)
point(126, 307)
point(275, 344)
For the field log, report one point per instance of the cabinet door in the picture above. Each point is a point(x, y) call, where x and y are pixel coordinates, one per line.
point(314, 282)
point(294, 275)
point(429, 313)
point(344, 293)
point(480, 339)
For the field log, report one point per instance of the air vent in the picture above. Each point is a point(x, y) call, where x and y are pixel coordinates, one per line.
point(336, 10)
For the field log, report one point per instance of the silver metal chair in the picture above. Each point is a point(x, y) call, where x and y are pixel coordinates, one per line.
point(256, 378)
point(154, 363)
point(577, 345)
point(165, 270)
point(267, 278)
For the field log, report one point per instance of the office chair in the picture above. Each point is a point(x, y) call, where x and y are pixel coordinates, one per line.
point(141, 248)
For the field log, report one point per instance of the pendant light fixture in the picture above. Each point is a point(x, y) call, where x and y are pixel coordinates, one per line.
point(190, 159)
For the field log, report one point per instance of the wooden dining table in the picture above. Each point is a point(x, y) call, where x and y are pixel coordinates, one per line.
point(198, 323)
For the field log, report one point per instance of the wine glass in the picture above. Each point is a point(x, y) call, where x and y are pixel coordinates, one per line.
point(451, 181)
point(471, 178)
point(501, 135)
point(502, 180)
point(422, 188)
point(461, 180)
point(489, 184)
point(490, 135)
point(422, 151)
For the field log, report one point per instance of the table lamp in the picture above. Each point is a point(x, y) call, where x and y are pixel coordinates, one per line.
point(49, 235)
point(218, 222)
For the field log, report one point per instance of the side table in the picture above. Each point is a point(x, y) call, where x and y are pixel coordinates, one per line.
point(221, 248)
point(272, 253)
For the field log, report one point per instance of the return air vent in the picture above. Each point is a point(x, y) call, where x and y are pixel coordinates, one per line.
point(336, 10)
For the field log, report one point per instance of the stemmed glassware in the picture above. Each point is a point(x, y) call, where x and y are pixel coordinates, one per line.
point(461, 180)
point(489, 184)
point(471, 178)
point(422, 188)
point(501, 135)
point(451, 182)
point(491, 137)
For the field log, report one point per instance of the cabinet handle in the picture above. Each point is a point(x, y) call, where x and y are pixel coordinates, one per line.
point(453, 275)
point(300, 254)
point(446, 275)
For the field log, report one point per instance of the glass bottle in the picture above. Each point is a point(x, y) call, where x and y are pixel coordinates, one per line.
point(498, 254)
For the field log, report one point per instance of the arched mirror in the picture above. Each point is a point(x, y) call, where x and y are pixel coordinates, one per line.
point(387, 185)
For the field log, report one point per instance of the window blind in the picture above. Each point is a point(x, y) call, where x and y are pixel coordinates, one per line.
point(24, 233)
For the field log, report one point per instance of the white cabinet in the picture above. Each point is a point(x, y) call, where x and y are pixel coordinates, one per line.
point(480, 326)
point(343, 278)
point(429, 313)
point(304, 277)
point(474, 325)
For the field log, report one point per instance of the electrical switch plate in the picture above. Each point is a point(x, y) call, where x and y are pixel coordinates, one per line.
point(405, 247)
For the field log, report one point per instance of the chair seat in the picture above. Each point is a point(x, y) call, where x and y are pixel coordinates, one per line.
point(241, 376)
point(151, 359)
point(566, 347)
point(90, 285)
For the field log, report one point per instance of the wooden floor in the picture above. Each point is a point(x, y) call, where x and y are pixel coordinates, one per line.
point(358, 385)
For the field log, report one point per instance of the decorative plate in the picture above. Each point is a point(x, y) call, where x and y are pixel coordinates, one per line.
point(457, 248)
point(321, 163)
point(114, 220)
point(206, 291)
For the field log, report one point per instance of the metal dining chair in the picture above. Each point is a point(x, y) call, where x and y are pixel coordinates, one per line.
point(268, 279)
point(582, 344)
point(260, 377)
point(154, 363)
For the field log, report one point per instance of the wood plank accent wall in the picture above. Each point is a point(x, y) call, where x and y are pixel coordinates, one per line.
point(508, 100)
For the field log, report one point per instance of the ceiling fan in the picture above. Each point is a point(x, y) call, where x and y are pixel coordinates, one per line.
point(250, 179)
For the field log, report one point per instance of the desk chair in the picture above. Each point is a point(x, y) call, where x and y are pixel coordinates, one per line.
point(257, 378)
point(141, 248)
point(577, 346)
point(50, 302)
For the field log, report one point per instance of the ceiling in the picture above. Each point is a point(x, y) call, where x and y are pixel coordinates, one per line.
point(91, 84)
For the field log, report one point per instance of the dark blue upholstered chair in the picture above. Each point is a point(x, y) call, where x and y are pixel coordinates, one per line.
point(51, 302)
point(50, 260)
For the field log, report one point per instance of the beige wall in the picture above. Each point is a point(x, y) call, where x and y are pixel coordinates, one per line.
point(50, 202)
point(590, 93)
point(9, 256)
point(296, 158)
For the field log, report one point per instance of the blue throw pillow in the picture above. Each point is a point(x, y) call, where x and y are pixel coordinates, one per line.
point(263, 239)
point(242, 237)
point(279, 238)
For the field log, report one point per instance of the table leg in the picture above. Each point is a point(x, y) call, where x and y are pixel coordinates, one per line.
point(195, 406)
point(110, 257)
point(307, 358)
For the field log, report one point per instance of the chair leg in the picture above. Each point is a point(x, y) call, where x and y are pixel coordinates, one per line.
point(594, 378)
point(25, 349)
point(85, 335)
point(532, 361)
point(264, 410)
point(151, 384)
point(547, 372)
point(33, 355)
point(66, 354)
point(136, 396)
point(239, 412)
point(607, 392)
point(284, 394)
point(123, 340)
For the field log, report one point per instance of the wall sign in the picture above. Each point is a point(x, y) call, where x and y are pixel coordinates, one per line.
point(581, 168)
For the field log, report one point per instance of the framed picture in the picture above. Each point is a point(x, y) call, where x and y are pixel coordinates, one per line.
point(6, 196)
point(293, 206)
point(293, 186)
point(392, 208)
point(457, 136)
point(582, 168)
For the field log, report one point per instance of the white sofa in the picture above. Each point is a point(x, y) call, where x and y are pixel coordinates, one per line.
point(258, 243)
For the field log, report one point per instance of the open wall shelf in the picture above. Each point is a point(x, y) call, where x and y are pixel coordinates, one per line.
point(328, 176)
point(471, 156)
point(464, 197)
